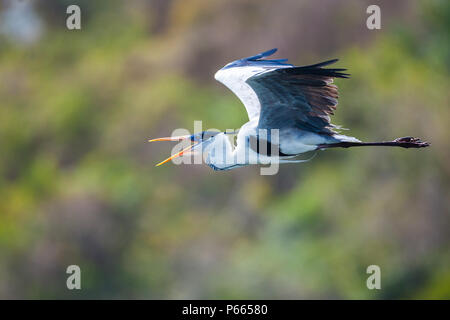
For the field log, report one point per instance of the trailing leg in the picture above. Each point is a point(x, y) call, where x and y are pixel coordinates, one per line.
point(405, 142)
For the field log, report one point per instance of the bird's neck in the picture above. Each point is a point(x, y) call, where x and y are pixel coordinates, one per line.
point(221, 155)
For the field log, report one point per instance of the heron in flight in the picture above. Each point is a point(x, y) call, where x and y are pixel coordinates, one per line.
point(294, 102)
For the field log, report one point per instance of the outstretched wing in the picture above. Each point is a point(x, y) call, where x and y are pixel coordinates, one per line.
point(297, 97)
point(235, 74)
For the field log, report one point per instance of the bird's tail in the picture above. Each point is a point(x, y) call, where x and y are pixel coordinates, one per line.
point(405, 142)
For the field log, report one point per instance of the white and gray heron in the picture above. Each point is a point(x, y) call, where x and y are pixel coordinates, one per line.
point(294, 101)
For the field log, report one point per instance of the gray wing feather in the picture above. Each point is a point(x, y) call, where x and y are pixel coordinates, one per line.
point(297, 97)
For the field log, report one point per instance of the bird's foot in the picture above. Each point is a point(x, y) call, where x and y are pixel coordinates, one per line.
point(410, 142)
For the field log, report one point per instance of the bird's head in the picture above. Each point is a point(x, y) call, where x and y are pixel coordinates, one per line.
point(201, 143)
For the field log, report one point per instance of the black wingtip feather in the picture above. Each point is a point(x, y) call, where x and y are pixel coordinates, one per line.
point(322, 64)
point(317, 71)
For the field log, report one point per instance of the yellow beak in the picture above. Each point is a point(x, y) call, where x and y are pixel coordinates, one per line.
point(179, 138)
point(179, 154)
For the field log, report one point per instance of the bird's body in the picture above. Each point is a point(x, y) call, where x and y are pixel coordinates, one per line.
point(289, 112)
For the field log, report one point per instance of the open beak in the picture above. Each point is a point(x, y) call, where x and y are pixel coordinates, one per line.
point(185, 151)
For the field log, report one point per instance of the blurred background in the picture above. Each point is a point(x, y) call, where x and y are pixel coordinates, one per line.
point(78, 183)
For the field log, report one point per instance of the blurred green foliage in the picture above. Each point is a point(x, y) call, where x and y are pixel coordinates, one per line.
point(78, 183)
